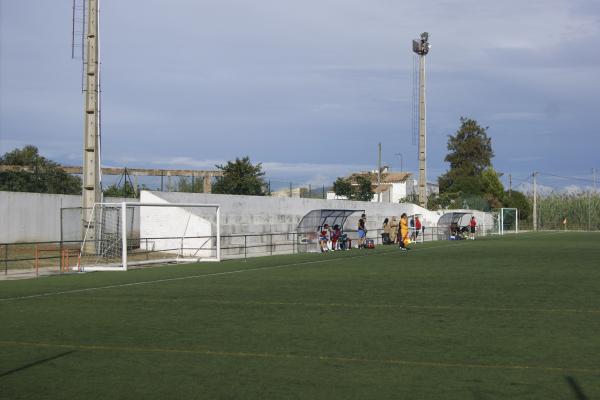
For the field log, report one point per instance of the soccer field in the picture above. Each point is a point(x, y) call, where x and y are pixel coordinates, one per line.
point(515, 318)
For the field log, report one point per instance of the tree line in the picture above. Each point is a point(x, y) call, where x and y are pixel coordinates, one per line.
point(42, 175)
point(470, 182)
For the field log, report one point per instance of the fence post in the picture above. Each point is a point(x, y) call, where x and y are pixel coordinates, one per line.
point(6, 259)
point(245, 247)
point(36, 261)
point(271, 242)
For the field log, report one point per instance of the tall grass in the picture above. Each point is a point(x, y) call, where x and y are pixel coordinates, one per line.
point(582, 211)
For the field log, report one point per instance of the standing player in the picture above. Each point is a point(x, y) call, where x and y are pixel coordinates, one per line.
point(362, 231)
point(393, 230)
point(472, 225)
point(417, 228)
point(404, 238)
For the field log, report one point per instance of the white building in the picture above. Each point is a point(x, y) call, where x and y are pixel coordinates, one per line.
point(394, 188)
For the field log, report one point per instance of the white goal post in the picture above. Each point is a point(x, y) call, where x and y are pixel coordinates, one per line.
point(122, 235)
point(508, 220)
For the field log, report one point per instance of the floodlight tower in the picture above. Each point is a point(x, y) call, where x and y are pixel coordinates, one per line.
point(421, 47)
point(91, 192)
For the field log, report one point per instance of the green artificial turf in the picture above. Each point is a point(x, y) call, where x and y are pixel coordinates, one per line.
point(514, 318)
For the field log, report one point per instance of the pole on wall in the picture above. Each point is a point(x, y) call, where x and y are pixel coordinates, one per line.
point(535, 225)
point(379, 173)
point(91, 192)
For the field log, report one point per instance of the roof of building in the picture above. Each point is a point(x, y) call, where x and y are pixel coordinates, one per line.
point(387, 177)
point(395, 177)
point(382, 188)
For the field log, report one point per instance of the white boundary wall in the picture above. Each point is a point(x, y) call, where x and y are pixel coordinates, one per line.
point(155, 222)
point(260, 214)
point(34, 217)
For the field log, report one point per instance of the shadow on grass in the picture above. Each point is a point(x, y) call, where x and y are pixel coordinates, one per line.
point(33, 364)
point(577, 391)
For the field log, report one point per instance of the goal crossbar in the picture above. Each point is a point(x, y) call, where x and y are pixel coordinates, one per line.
point(125, 262)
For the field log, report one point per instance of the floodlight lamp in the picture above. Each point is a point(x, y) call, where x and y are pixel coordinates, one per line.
point(422, 46)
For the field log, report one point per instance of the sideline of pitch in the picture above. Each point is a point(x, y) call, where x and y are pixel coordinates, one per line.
point(325, 260)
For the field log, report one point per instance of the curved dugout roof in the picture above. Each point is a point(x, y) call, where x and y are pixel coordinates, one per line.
point(312, 222)
point(448, 219)
point(315, 219)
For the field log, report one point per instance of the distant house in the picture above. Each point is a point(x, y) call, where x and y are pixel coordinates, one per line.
point(394, 187)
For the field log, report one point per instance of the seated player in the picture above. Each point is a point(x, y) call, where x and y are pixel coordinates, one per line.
point(324, 238)
point(335, 236)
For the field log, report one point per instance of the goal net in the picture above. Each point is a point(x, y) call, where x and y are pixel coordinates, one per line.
point(508, 220)
point(121, 235)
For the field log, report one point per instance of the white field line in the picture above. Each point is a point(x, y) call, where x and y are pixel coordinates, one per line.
point(287, 356)
point(239, 271)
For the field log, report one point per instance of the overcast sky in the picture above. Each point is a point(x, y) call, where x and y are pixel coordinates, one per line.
point(308, 87)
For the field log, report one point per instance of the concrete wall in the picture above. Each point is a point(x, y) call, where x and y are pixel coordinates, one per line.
point(257, 215)
point(33, 217)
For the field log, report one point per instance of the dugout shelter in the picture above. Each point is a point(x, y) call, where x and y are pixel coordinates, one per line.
point(452, 224)
point(310, 225)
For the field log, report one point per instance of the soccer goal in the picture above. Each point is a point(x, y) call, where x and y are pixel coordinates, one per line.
point(121, 235)
point(508, 220)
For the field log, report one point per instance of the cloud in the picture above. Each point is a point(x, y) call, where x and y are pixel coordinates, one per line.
point(307, 87)
point(518, 116)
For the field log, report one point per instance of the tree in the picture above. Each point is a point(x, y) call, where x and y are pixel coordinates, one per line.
point(126, 190)
point(343, 187)
point(240, 177)
point(520, 201)
point(442, 201)
point(471, 179)
point(470, 153)
point(364, 190)
point(43, 175)
point(189, 185)
point(492, 187)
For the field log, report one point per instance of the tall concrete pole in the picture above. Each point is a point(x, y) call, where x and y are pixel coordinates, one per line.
point(422, 135)
point(534, 202)
point(91, 138)
point(379, 172)
point(421, 47)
